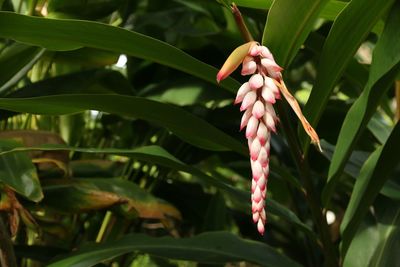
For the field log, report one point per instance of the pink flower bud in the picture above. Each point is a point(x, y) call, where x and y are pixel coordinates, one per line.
point(268, 95)
point(256, 81)
point(243, 90)
point(270, 65)
point(252, 125)
point(262, 133)
point(257, 170)
point(249, 68)
point(263, 157)
point(269, 82)
point(270, 122)
point(264, 51)
point(261, 183)
point(259, 206)
point(245, 119)
point(256, 217)
point(257, 195)
point(255, 50)
point(263, 215)
point(253, 186)
point(248, 100)
point(260, 227)
point(270, 109)
point(258, 109)
point(255, 149)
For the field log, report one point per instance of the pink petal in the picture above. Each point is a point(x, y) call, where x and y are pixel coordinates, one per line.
point(243, 90)
point(260, 227)
point(258, 109)
point(257, 170)
point(248, 100)
point(268, 95)
point(257, 195)
point(256, 81)
point(264, 51)
point(261, 183)
point(253, 187)
point(270, 122)
point(249, 68)
point(255, 149)
point(256, 217)
point(255, 51)
point(252, 125)
point(262, 133)
point(270, 65)
point(245, 118)
point(263, 215)
point(270, 109)
point(263, 157)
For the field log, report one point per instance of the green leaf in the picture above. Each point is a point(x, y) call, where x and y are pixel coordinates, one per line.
point(15, 61)
point(97, 81)
point(62, 35)
point(211, 247)
point(297, 18)
point(187, 126)
point(80, 195)
point(329, 12)
point(372, 177)
point(384, 68)
point(18, 172)
point(157, 155)
point(341, 44)
point(377, 240)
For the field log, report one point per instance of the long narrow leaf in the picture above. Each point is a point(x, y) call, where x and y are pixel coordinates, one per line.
point(61, 35)
point(212, 247)
point(372, 177)
point(288, 25)
point(187, 126)
point(344, 38)
point(157, 155)
point(384, 68)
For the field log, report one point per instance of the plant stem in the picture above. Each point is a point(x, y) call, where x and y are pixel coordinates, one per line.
point(240, 23)
point(7, 256)
point(311, 197)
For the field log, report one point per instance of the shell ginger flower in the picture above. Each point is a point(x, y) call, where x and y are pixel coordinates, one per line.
point(257, 97)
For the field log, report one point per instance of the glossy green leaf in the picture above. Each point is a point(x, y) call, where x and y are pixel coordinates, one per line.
point(340, 46)
point(297, 18)
point(18, 172)
point(376, 242)
point(329, 12)
point(384, 68)
point(90, 9)
point(211, 247)
point(80, 195)
point(85, 82)
point(15, 61)
point(187, 126)
point(157, 155)
point(61, 35)
point(357, 159)
point(372, 177)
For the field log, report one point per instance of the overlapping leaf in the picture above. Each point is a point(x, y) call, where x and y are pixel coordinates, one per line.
point(385, 66)
point(340, 45)
point(62, 35)
point(212, 247)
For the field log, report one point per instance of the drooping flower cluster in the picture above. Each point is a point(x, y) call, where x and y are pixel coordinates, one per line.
point(257, 97)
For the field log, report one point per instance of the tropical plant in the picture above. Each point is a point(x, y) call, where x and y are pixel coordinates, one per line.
point(119, 148)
